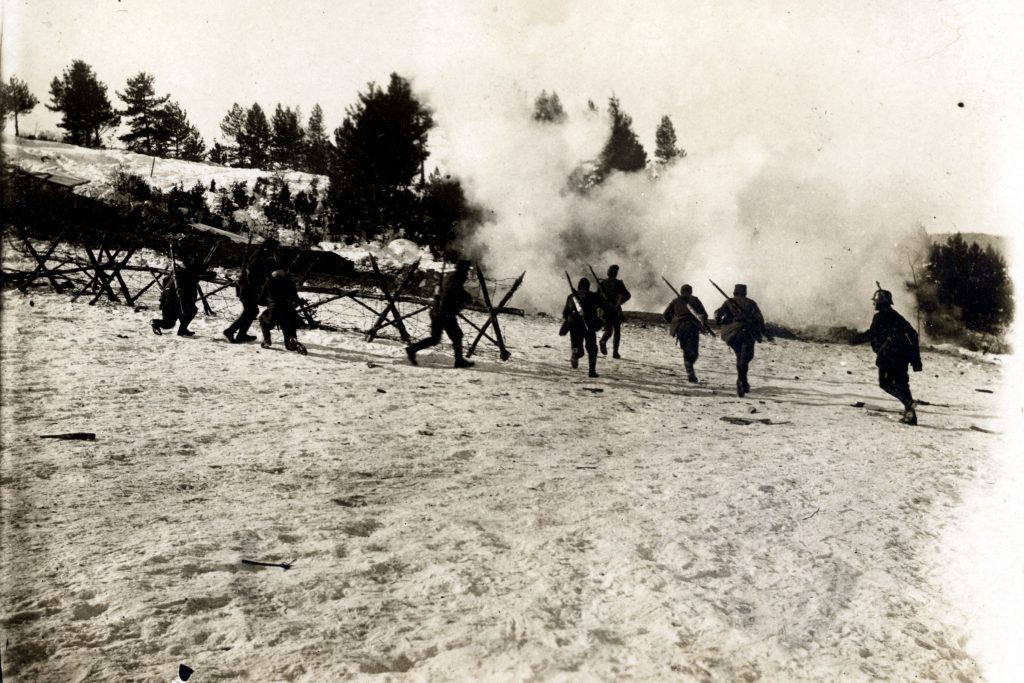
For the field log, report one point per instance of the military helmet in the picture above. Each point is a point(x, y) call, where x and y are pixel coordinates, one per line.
point(882, 297)
point(686, 289)
point(739, 290)
point(583, 284)
point(613, 270)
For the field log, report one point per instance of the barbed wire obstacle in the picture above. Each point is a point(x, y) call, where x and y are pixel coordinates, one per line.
point(377, 305)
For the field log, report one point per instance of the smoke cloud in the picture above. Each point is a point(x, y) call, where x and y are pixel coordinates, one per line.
point(809, 250)
point(817, 155)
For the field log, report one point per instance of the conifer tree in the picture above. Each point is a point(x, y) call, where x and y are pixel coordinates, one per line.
point(548, 109)
point(82, 99)
point(623, 151)
point(317, 145)
point(665, 150)
point(380, 150)
point(144, 115)
point(182, 139)
point(255, 137)
point(232, 125)
point(288, 138)
point(15, 98)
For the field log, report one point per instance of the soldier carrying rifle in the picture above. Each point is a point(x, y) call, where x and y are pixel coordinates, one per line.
point(615, 293)
point(581, 322)
point(688, 320)
point(742, 327)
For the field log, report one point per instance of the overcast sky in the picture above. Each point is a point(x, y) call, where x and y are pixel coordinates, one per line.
point(853, 86)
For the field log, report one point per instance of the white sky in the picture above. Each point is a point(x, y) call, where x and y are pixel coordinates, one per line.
point(847, 86)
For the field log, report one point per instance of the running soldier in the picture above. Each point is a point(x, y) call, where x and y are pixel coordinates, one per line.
point(688, 319)
point(444, 316)
point(616, 294)
point(896, 345)
point(255, 272)
point(282, 300)
point(178, 299)
point(742, 327)
point(581, 322)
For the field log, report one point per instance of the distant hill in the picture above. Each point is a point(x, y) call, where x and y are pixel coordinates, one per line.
point(1000, 243)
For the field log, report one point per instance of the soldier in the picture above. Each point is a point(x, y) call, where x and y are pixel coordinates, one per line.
point(688, 319)
point(255, 272)
point(452, 298)
point(178, 299)
point(743, 326)
point(616, 294)
point(581, 322)
point(282, 300)
point(896, 344)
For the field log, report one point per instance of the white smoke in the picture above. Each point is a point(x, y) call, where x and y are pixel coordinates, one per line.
point(808, 252)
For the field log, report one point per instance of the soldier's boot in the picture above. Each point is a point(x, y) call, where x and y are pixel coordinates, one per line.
point(242, 338)
point(266, 336)
point(615, 348)
point(460, 361)
point(593, 367)
point(603, 344)
point(574, 356)
point(229, 333)
point(410, 352)
point(155, 324)
point(910, 414)
point(691, 376)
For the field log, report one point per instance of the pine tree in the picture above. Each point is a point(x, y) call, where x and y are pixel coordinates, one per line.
point(219, 154)
point(15, 98)
point(288, 138)
point(232, 125)
point(623, 151)
point(144, 114)
point(255, 137)
point(182, 139)
point(82, 99)
point(380, 150)
point(974, 282)
point(317, 154)
point(548, 109)
point(666, 150)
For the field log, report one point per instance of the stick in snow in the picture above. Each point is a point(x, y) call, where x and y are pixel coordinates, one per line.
point(283, 565)
point(71, 436)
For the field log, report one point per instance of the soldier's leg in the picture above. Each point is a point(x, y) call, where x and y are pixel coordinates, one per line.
point(240, 328)
point(690, 344)
point(748, 354)
point(288, 319)
point(590, 343)
point(187, 315)
point(575, 345)
point(267, 324)
point(168, 315)
point(454, 332)
point(605, 336)
point(617, 337)
point(431, 340)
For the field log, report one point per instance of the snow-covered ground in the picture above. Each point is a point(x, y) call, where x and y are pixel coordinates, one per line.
point(98, 166)
point(515, 521)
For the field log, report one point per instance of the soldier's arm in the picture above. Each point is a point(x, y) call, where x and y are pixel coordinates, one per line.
point(669, 312)
point(624, 294)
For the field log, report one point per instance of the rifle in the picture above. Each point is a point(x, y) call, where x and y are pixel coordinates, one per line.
point(696, 316)
point(737, 311)
point(577, 302)
point(174, 280)
point(243, 274)
point(597, 283)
